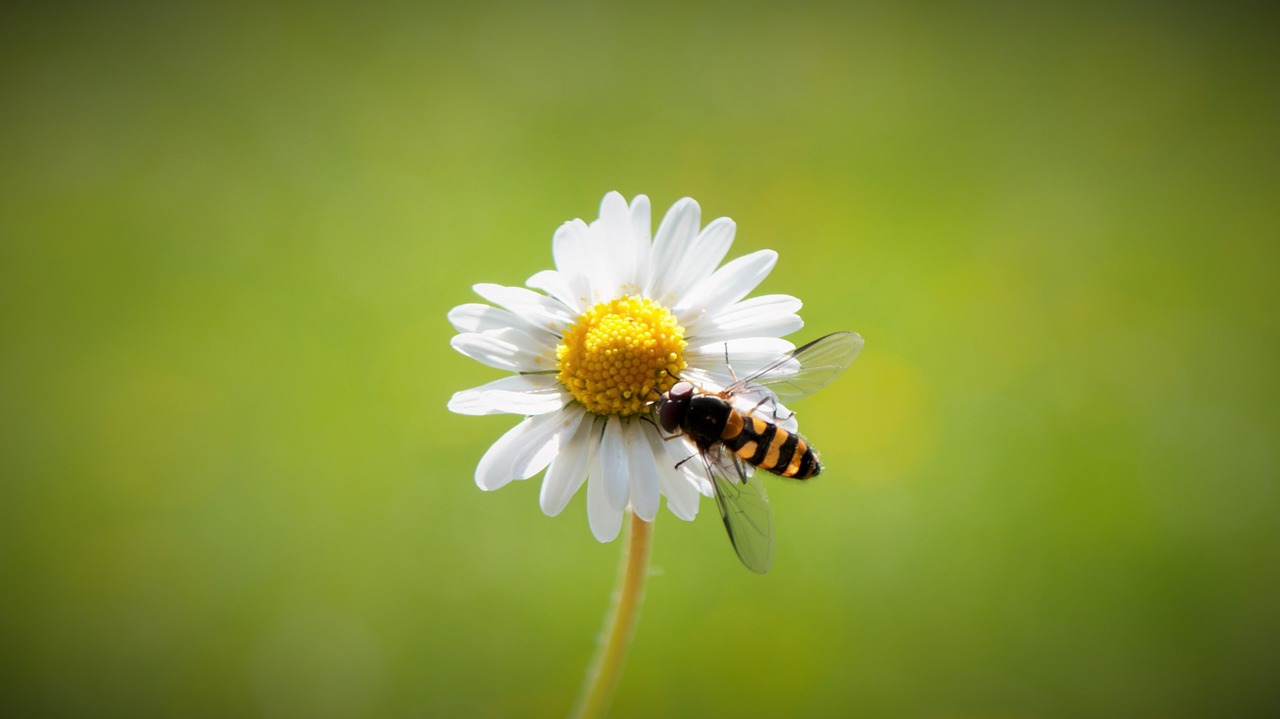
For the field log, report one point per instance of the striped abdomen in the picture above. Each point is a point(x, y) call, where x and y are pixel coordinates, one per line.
point(768, 446)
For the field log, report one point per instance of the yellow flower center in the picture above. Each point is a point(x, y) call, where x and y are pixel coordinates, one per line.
point(621, 355)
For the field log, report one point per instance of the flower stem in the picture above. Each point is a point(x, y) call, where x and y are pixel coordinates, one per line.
point(602, 677)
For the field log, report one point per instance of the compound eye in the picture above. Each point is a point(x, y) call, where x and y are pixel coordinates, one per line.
point(674, 405)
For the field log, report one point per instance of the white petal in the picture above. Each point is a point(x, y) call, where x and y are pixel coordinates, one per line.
point(643, 470)
point(707, 252)
point(615, 219)
point(696, 475)
point(707, 363)
point(508, 349)
point(525, 394)
point(613, 461)
point(604, 519)
point(544, 444)
point(678, 228)
point(728, 285)
point(675, 450)
point(640, 217)
point(569, 469)
point(701, 259)
point(566, 246)
point(520, 453)
point(630, 253)
point(555, 284)
point(612, 249)
point(614, 204)
point(752, 349)
point(675, 236)
point(571, 249)
point(682, 495)
point(763, 316)
point(643, 246)
point(536, 309)
point(683, 460)
point(777, 326)
point(475, 317)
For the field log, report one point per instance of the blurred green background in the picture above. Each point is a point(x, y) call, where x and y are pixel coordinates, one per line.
point(229, 235)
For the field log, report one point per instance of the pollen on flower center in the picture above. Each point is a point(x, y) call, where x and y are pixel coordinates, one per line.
point(621, 355)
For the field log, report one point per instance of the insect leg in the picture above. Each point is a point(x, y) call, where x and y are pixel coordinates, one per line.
point(772, 401)
point(728, 366)
point(686, 459)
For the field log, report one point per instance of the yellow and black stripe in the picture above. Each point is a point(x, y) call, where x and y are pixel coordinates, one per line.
point(770, 447)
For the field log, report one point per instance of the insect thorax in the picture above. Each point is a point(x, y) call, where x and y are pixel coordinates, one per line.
point(706, 417)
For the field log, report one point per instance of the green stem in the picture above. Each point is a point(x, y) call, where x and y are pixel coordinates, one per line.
point(606, 667)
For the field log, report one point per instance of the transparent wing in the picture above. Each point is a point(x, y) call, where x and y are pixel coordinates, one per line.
point(744, 507)
point(805, 370)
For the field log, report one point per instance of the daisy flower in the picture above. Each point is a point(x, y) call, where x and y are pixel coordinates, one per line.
point(592, 344)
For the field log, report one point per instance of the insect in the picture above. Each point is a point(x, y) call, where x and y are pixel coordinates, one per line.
point(729, 437)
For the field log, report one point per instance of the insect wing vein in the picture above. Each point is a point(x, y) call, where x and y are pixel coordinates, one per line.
point(744, 507)
point(807, 369)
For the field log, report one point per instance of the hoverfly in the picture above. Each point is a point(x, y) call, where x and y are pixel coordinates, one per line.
point(763, 435)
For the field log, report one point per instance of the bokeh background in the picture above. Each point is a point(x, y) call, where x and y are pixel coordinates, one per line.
point(230, 232)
